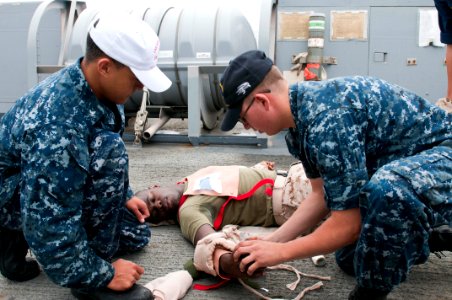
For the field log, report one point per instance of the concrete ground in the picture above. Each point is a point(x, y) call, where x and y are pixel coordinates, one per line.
point(168, 250)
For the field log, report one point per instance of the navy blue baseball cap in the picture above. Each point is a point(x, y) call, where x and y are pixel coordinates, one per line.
point(241, 77)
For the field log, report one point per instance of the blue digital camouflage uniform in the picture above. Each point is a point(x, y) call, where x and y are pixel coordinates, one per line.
point(385, 150)
point(64, 180)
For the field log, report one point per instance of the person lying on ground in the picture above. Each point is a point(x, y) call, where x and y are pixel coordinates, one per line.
point(212, 197)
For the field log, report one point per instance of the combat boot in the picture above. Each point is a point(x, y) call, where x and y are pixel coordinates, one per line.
point(440, 239)
point(137, 292)
point(13, 249)
point(361, 293)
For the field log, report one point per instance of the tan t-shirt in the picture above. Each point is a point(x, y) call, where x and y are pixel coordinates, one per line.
point(254, 211)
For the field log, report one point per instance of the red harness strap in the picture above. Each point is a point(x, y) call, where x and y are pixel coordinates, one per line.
point(181, 202)
point(268, 191)
point(219, 218)
point(205, 287)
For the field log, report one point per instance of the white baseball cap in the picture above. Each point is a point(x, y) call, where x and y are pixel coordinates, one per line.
point(132, 42)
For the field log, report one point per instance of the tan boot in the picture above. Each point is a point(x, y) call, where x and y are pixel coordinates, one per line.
point(445, 103)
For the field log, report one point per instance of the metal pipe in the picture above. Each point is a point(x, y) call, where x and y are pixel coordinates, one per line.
point(315, 47)
point(163, 118)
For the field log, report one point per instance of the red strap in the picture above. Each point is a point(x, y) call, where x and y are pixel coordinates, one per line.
point(219, 219)
point(181, 201)
point(205, 287)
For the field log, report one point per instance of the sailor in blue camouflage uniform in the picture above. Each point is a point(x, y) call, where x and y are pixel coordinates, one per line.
point(64, 167)
point(379, 159)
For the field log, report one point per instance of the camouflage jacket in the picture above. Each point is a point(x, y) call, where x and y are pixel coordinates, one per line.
point(347, 128)
point(44, 153)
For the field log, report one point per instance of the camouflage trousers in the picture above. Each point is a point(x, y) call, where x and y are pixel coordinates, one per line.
point(400, 205)
point(110, 227)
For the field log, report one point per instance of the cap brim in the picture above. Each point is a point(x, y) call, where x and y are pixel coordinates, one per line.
point(231, 117)
point(154, 79)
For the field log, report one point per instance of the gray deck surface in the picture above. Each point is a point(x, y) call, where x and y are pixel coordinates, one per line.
point(168, 251)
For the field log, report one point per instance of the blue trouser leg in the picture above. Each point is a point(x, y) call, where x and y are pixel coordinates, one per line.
point(10, 216)
point(399, 206)
point(345, 259)
point(133, 235)
point(110, 226)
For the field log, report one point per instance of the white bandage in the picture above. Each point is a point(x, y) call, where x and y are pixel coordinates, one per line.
point(172, 286)
point(319, 260)
point(204, 252)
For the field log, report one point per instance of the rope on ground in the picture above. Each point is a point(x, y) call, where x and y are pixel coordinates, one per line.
point(291, 286)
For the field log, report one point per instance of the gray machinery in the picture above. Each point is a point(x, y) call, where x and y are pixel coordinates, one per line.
point(309, 40)
point(197, 42)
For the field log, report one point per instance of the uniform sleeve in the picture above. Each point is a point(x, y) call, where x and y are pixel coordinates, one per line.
point(195, 212)
point(130, 193)
point(55, 168)
point(335, 142)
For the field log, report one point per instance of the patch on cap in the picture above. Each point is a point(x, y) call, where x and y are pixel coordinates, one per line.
point(241, 89)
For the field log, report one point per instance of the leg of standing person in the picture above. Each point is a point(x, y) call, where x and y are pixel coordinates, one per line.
point(401, 206)
point(449, 71)
point(444, 8)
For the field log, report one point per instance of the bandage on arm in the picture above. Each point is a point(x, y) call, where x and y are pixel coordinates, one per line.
point(209, 249)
